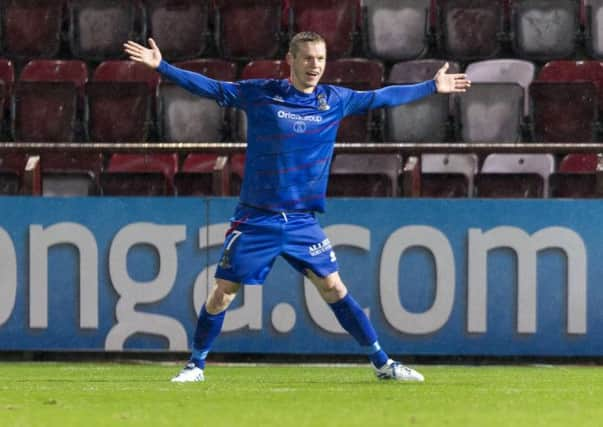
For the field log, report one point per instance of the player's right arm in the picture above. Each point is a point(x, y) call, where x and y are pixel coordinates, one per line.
point(223, 92)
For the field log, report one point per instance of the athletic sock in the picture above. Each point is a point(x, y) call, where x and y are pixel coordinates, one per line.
point(208, 329)
point(352, 319)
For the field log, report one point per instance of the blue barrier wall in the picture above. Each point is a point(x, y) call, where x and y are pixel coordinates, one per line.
point(436, 277)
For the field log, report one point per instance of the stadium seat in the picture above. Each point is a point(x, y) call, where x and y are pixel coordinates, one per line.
point(425, 120)
point(44, 111)
point(197, 175)
point(234, 18)
point(260, 69)
point(448, 175)
point(396, 30)
point(357, 74)
point(43, 107)
point(120, 100)
point(504, 71)
point(553, 121)
point(31, 28)
point(335, 20)
point(545, 29)
point(594, 27)
point(491, 112)
point(70, 173)
point(10, 183)
point(578, 176)
point(133, 184)
point(98, 28)
point(470, 30)
point(136, 164)
point(12, 166)
point(185, 117)
point(365, 175)
point(189, 17)
point(515, 176)
point(569, 71)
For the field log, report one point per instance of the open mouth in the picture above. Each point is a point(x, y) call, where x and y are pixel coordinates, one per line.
point(312, 74)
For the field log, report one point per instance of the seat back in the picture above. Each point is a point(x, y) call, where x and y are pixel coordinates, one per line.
point(44, 111)
point(165, 164)
point(31, 28)
point(553, 121)
point(504, 71)
point(470, 29)
point(10, 183)
point(357, 74)
point(190, 17)
point(335, 20)
point(236, 17)
point(515, 175)
point(72, 184)
point(396, 30)
point(133, 184)
point(544, 29)
point(448, 175)
point(183, 116)
point(491, 112)
point(195, 177)
point(425, 120)
point(365, 175)
point(98, 28)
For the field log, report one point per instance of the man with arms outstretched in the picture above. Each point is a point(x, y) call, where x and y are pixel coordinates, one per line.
point(292, 125)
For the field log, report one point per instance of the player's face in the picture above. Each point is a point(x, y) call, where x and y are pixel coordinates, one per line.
point(308, 65)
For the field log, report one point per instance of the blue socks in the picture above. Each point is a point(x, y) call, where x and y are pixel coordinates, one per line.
point(353, 320)
point(208, 329)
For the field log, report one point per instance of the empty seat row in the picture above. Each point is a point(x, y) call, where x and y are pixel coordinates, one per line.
point(123, 101)
point(351, 175)
point(392, 30)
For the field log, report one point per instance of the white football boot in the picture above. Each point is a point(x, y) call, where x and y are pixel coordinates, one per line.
point(190, 373)
point(396, 371)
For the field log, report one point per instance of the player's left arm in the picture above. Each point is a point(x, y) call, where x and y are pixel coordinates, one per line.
point(442, 82)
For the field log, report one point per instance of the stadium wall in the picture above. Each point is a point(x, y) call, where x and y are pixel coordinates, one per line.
point(437, 277)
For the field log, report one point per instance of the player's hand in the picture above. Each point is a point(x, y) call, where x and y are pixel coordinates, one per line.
point(151, 57)
point(449, 83)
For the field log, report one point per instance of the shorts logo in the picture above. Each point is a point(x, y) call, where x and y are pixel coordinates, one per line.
point(332, 256)
point(322, 247)
point(299, 127)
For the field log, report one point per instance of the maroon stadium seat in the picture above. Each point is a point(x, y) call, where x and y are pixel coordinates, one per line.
point(357, 74)
point(125, 174)
point(179, 27)
point(470, 30)
point(120, 99)
point(365, 175)
point(31, 28)
point(335, 20)
point(577, 177)
point(183, 116)
point(234, 18)
point(70, 173)
point(98, 28)
point(196, 176)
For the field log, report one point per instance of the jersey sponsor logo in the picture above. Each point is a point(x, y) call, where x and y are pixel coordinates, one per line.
point(299, 127)
point(322, 103)
point(321, 247)
point(293, 116)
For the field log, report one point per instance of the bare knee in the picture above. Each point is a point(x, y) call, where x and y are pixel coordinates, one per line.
point(220, 297)
point(331, 288)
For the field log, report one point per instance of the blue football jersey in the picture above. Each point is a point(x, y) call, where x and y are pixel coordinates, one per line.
point(290, 134)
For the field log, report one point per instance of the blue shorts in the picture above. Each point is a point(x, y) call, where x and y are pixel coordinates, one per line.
point(257, 237)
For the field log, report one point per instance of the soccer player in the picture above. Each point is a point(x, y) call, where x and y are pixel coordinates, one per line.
point(292, 124)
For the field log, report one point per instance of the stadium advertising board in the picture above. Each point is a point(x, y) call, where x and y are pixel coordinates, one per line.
point(436, 277)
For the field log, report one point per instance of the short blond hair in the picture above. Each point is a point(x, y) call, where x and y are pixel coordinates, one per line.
point(304, 37)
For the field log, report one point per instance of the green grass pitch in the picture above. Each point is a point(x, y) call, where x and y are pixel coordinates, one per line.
point(112, 394)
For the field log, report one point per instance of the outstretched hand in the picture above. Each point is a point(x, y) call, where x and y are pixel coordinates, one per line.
point(151, 57)
point(449, 83)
